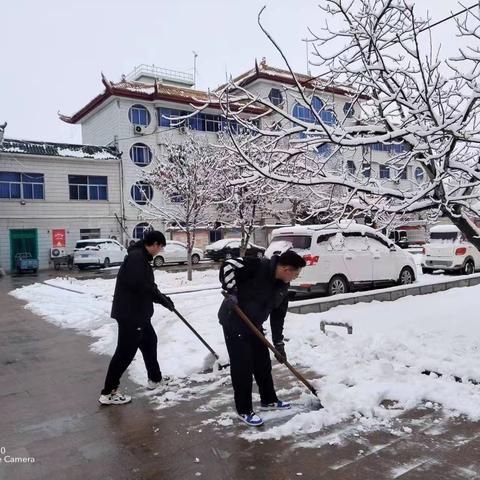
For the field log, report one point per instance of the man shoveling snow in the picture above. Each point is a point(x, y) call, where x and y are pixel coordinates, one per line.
point(132, 308)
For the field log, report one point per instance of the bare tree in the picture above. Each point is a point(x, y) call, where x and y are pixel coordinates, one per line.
point(186, 175)
point(421, 107)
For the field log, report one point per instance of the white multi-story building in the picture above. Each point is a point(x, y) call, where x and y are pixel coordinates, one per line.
point(53, 194)
point(133, 115)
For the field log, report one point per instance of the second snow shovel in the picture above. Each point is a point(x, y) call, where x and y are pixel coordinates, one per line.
point(265, 341)
point(210, 349)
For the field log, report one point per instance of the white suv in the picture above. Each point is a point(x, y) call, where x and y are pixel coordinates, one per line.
point(448, 250)
point(343, 257)
point(100, 252)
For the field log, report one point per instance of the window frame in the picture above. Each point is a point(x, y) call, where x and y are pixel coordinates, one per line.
point(88, 187)
point(135, 110)
point(24, 182)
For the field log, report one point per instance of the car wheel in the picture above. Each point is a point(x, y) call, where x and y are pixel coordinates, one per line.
point(228, 256)
point(195, 259)
point(260, 254)
point(106, 262)
point(469, 267)
point(427, 270)
point(158, 261)
point(406, 276)
point(337, 285)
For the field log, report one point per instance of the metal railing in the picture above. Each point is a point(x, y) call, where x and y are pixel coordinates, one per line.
point(158, 72)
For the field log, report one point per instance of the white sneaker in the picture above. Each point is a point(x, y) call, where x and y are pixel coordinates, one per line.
point(151, 385)
point(114, 399)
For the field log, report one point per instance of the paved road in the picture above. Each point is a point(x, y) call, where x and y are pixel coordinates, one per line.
point(49, 384)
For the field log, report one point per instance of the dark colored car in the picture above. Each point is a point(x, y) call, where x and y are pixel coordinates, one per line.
point(230, 248)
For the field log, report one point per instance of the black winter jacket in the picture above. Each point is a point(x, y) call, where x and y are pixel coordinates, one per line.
point(259, 294)
point(135, 290)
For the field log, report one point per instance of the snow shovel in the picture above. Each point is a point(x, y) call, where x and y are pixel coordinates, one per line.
point(265, 341)
point(210, 349)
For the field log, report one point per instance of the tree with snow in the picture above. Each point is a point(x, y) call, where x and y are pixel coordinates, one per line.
point(402, 96)
point(187, 176)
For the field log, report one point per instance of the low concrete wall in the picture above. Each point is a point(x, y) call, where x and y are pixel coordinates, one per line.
point(317, 305)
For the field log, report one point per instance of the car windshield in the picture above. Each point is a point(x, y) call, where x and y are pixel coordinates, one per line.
point(443, 237)
point(301, 242)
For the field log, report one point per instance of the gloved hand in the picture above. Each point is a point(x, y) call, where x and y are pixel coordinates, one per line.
point(280, 346)
point(230, 301)
point(167, 302)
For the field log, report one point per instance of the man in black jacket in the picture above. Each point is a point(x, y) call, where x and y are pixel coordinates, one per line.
point(135, 294)
point(260, 288)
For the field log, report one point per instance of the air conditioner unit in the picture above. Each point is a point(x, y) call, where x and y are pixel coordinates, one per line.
point(139, 129)
point(56, 252)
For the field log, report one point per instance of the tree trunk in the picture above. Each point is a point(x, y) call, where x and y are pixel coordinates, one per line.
point(465, 225)
point(189, 255)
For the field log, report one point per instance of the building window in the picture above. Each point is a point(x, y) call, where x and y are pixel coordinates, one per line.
point(366, 170)
point(384, 171)
point(351, 167)
point(419, 175)
point(139, 115)
point(83, 187)
point(306, 115)
point(28, 186)
point(86, 233)
point(275, 96)
point(348, 110)
point(323, 150)
point(389, 147)
point(140, 154)
point(177, 198)
point(140, 230)
point(141, 193)
point(205, 122)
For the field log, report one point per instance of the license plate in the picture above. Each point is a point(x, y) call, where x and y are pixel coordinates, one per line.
point(84, 255)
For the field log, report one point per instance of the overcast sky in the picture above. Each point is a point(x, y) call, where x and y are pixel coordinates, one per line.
point(53, 51)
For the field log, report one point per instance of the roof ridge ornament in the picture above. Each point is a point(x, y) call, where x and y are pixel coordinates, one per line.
point(108, 84)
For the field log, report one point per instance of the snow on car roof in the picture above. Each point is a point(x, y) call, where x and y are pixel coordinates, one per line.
point(97, 240)
point(223, 242)
point(329, 228)
point(444, 228)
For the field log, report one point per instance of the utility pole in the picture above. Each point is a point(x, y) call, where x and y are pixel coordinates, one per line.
point(195, 55)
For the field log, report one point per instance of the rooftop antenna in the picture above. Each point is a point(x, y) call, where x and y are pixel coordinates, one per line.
point(307, 55)
point(195, 55)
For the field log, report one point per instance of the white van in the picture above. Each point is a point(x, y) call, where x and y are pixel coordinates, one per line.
point(448, 250)
point(343, 257)
point(100, 252)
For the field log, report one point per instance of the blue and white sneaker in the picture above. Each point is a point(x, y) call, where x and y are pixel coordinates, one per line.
point(278, 405)
point(251, 419)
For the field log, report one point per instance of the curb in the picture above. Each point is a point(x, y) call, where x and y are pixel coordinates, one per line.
point(319, 305)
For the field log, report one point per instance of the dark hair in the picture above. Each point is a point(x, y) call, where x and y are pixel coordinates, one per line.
point(154, 236)
point(291, 259)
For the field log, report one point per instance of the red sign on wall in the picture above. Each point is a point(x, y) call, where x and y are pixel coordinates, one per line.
point(58, 237)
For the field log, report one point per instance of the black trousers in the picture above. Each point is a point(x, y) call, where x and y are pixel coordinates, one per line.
point(249, 357)
point(132, 337)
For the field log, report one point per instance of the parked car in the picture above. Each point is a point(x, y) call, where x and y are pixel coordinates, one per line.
point(448, 250)
point(176, 252)
point(343, 258)
point(99, 252)
point(230, 248)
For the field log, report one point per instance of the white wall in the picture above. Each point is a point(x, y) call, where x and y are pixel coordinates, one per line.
point(57, 211)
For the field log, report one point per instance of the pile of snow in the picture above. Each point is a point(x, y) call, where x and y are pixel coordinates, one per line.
point(392, 344)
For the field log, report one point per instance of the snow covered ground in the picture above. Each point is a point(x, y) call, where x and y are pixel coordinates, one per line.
point(392, 343)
